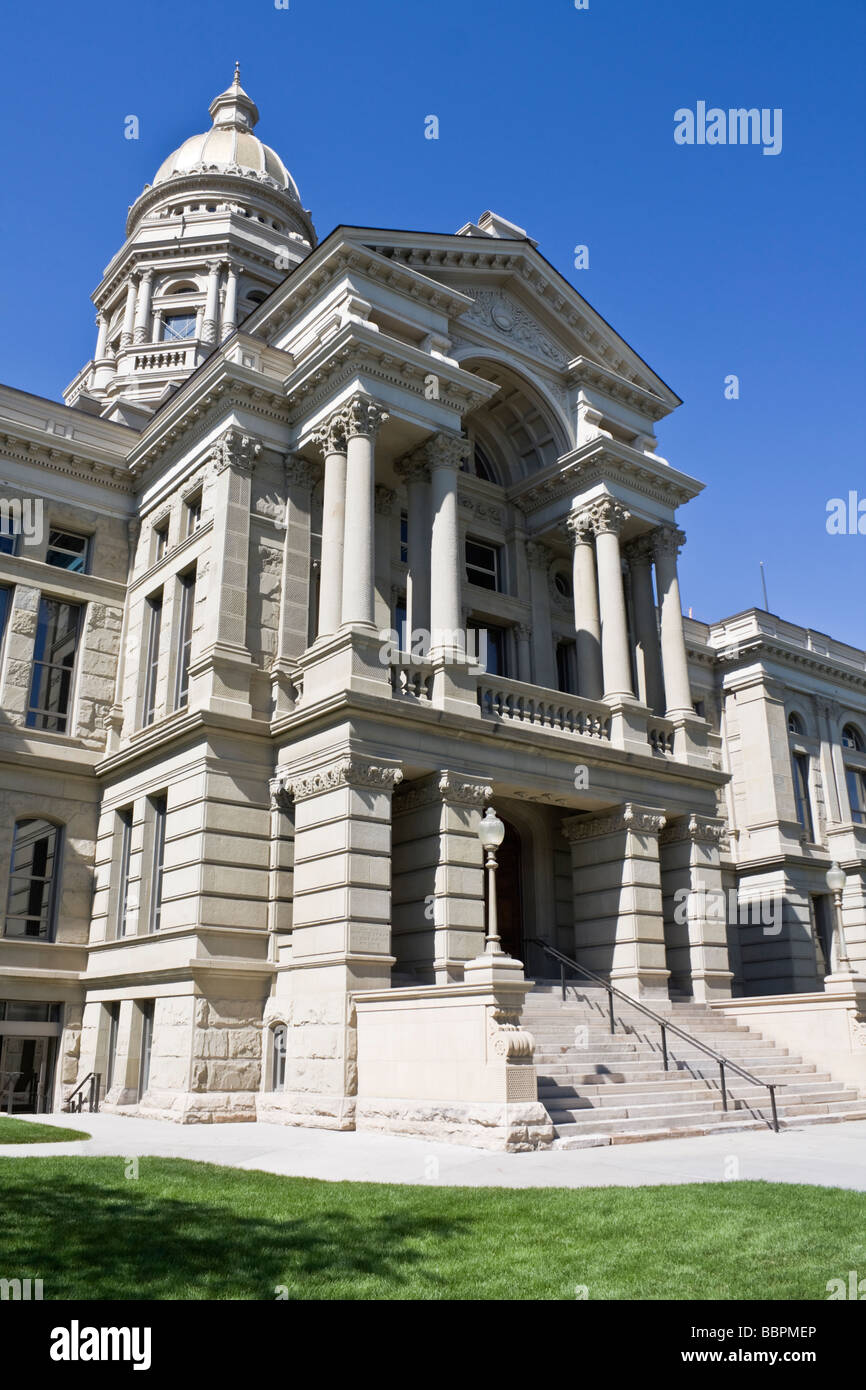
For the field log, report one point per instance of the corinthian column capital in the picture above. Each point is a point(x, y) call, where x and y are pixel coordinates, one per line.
point(363, 416)
point(668, 540)
point(235, 450)
point(641, 551)
point(330, 435)
point(447, 450)
point(300, 472)
point(413, 467)
point(607, 516)
point(579, 526)
point(538, 555)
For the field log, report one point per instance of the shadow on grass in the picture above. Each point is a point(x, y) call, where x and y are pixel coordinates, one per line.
point(131, 1240)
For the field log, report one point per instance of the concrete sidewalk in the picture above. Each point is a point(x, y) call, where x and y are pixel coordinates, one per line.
point(832, 1155)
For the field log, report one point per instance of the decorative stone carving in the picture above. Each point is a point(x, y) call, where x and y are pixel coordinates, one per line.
point(706, 830)
point(538, 555)
point(330, 436)
point(606, 515)
point(495, 310)
point(448, 787)
point(641, 550)
point(235, 450)
point(642, 820)
point(347, 772)
point(484, 511)
point(668, 540)
point(364, 416)
point(506, 1038)
point(858, 1032)
point(299, 472)
point(413, 467)
point(385, 497)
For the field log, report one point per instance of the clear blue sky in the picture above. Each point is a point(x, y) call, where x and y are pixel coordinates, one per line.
point(708, 260)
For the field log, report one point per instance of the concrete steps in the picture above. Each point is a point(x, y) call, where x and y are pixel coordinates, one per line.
point(603, 1088)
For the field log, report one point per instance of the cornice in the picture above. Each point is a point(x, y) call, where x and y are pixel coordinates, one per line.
point(603, 461)
point(323, 266)
point(351, 771)
point(70, 460)
point(358, 349)
point(761, 646)
point(641, 820)
point(584, 371)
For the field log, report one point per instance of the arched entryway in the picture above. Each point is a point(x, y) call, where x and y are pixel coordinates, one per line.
point(509, 892)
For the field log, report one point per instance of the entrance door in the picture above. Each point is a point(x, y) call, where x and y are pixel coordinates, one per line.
point(509, 893)
point(32, 1060)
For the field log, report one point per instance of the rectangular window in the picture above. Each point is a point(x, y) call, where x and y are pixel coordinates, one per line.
point(487, 647)
point(32, 901)
point(822, 931)
point(8, 536)
point(404, 538)
point(187, 605)
point(57, 630)
point(159, 806)
point(5, 605)
point(111, 1057)
point(68, 551)
point(856, 783)
point(160, 542)
point(153, 609)
point(566, 667)
point(193, 513)
point(400, 618)
point(147, 1008)
point(482, 564)
point(802, 796)
point(124, 829)
point(178, 326)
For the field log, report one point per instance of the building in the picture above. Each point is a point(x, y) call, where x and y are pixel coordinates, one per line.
point(340, 543)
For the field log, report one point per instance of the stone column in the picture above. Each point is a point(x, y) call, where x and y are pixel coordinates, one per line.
point(142, 308)
point(129, 312)
point(230, 308)
point(416, 471)
point(590, 682)
point(301, 477)
point(363, 418)
point(101, 334)
point(543, 660)
point(341, 926)
point(523, 633)
point(608, 518)
point(675, 665)
point(445, 454)
point(331, 439)
point(640, 556)
point(211, 306)
point(384, 545)
point(222, 672)
point(618, 922)
point(695, 906)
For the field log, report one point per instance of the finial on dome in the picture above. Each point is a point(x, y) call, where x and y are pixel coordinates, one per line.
point(233, 107)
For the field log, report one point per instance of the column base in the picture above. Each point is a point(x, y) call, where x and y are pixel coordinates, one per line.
point(502, 1126)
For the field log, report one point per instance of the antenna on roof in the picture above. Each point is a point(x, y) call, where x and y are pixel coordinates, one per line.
point(764, 583)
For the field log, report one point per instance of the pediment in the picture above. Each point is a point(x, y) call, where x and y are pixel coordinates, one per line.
point(501, 315)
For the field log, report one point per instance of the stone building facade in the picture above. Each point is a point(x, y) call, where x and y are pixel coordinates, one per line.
point(340, 543)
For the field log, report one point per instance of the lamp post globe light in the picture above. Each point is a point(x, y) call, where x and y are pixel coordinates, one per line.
point(836, 879)
point(491, 833)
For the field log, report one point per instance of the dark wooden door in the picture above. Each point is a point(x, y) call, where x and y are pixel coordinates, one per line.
point(509, 893)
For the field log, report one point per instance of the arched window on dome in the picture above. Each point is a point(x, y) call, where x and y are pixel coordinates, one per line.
point(257, 296)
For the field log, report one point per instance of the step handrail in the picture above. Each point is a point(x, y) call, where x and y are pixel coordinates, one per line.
point(93, 1078)
point(724, 1063)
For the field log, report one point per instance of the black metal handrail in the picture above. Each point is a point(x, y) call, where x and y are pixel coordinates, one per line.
point(92, 1079)
point(724, 1063)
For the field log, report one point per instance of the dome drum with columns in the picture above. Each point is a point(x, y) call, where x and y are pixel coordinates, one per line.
point(207, 242)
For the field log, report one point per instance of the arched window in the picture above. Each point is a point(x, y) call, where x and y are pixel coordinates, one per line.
point(795, 724)
point(853, 739)
point(482, 467)
point(257, 296)
point(279, 1042)
point(33, 878)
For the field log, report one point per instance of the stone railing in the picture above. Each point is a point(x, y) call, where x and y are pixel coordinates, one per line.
point(548, 709)
point(412, 679)
point(660, 735)
point(158, 356)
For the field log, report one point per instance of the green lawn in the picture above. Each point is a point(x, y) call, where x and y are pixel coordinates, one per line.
point(195, 1230)
point(14, 1131)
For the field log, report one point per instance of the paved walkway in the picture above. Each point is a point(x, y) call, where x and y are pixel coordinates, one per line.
point(832, 1155)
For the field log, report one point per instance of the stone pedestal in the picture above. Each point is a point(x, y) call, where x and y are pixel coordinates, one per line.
point(695, 907)
point(618, 923)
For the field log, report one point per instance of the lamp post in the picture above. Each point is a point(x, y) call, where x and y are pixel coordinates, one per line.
point(836, 879)
point(491, 833)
